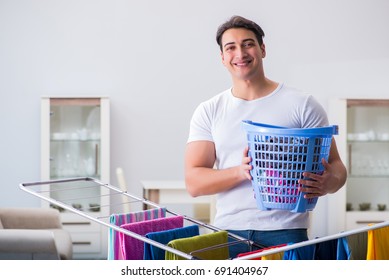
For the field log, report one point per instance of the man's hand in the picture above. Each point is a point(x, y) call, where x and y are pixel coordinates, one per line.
point(246, 164)
point(316, 185)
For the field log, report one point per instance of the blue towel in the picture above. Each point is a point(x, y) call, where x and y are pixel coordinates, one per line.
point(326, 250)
point(343, 250)
point(302, 253)
point(164, 237)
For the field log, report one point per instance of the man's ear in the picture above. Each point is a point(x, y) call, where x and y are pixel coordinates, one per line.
point(263, 48)
point(222, 57)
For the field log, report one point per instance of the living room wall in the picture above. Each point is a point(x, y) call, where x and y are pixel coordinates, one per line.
point(157, 60)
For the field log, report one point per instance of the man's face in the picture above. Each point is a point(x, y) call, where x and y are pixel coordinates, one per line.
point(241, 53)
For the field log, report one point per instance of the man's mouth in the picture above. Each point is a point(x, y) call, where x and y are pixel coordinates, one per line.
point(242, 63)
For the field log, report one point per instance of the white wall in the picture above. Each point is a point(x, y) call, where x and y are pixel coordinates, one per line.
point(157, 60)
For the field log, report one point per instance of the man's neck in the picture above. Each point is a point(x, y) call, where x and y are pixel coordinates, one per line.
point(250, 90)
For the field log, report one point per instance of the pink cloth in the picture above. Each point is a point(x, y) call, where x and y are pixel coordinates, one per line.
point(125, 218)
point(132, 248)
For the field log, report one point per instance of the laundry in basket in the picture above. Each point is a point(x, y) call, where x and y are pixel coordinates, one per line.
point(280, 155)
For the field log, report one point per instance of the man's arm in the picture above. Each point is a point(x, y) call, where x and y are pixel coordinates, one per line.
point(200, 176)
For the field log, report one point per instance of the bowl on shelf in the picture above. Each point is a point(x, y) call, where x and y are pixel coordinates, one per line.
point(381, 207)
point(77, 206)
point(364, 206)
point(59, 208)
point(94, 207)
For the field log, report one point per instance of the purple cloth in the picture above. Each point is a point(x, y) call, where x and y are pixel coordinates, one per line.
point(126, 218)
point(132, 248)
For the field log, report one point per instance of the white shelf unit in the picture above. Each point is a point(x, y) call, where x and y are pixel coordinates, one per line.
point(363, 143)
point(75, 142)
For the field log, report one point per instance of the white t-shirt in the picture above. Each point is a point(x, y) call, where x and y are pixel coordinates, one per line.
point(219, 120)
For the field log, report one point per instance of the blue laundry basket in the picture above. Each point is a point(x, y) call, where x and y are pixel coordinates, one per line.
point(279, 157)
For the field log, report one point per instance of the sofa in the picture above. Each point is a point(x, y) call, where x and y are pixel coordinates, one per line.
point(33, 233)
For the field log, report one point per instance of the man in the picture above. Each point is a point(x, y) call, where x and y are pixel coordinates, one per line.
point(216, 159)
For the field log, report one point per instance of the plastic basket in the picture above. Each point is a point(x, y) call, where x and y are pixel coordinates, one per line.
point(279, 157)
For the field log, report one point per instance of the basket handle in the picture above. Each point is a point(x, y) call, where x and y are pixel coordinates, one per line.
point(308, 131)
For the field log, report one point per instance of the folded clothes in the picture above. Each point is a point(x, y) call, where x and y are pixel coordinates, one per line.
point(302, 253)
point(378, 244)
point(164, 237)
point(201, 246)
point(343, 251)
point(126, 218)
point(132, 248)
point(274, 256)
point(357, 245)
point(327, 250)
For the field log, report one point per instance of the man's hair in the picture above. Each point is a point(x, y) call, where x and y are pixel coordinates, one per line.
point(239, 22)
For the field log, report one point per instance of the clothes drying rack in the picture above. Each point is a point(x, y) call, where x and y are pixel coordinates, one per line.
point(76, 191)
point(77, 185)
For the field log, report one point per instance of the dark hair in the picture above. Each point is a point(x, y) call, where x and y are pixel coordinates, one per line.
point(239, 22)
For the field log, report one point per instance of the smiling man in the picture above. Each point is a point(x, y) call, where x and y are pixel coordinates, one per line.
point(216, 158)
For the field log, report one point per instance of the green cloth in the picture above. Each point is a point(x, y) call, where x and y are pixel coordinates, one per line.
point(205, 241)
point(357, 244)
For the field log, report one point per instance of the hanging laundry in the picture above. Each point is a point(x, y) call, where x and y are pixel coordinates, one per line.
point(378, 244)
point(301, 253)
point(274, 256)
point(352, 247)
point(132, 248)
point(343, 249)
point(201, 244)
point(357, 244)
point(164, 237)
point(126, 218)
point(326, 250)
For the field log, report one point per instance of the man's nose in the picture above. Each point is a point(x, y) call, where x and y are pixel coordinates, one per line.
point(240, 52)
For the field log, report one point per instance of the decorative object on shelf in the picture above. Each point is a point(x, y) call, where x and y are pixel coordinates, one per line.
point(349, 206)
point(77, 206)
point(59, 208)
point(381, 207)
point(94, 207)
point(364, 206)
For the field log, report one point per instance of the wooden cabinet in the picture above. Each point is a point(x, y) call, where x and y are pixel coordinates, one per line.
point(75, 143)
point(364, 146)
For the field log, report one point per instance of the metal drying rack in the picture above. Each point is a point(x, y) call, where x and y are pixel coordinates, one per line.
point(46, 194)
point(74, 189)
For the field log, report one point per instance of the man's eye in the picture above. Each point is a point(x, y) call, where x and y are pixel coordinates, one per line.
point(248, 44)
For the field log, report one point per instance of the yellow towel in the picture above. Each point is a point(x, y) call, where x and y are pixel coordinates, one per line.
point(378, 244)
point(191, 244)
point(275, 256)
